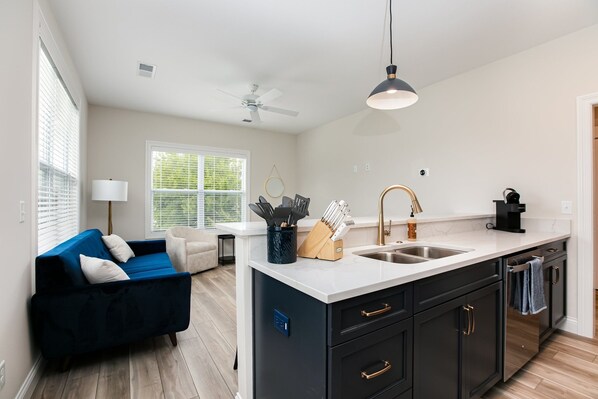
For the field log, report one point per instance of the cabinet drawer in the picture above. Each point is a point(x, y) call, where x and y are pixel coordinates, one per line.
point(357, 316)
point(384, 356)
point(553, 250)
point(437, 289)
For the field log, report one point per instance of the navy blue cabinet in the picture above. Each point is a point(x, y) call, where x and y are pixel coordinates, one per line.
point(440, 337)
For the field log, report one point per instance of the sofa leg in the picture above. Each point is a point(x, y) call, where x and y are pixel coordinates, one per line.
point(65, 363)
point(172, 336)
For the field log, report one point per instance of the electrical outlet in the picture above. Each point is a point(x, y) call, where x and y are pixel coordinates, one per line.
point(2, 374)
point(281, 322)
point(424, 172)
point(566, 207)
point(367, 167)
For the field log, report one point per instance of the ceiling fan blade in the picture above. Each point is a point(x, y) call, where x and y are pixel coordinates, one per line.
point(255, 116)
point(279, 110)
point(269, 96)
point(230, 94)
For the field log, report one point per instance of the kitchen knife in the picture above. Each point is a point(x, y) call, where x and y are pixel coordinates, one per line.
point(342, 230)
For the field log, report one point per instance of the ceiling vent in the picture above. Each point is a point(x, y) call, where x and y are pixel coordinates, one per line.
point(146, 70)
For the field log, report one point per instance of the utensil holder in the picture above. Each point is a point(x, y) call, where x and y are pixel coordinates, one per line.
point(282, 244)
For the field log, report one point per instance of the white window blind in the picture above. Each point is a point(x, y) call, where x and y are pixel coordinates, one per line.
point(58, 158)
point(197, 188)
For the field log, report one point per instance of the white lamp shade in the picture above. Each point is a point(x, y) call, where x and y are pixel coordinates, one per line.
point(109, 190)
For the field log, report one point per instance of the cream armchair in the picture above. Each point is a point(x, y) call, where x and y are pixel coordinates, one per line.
point(191, 250)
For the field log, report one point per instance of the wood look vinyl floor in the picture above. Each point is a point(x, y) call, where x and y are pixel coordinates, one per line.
point(200, 367)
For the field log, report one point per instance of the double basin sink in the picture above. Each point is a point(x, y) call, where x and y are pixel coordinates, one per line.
point(411, 253)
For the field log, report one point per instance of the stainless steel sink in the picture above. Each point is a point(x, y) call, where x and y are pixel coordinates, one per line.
point(430, 252)
point(394, 257)
point(411, 254)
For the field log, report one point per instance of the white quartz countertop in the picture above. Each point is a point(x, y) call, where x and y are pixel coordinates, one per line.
point(355, 275)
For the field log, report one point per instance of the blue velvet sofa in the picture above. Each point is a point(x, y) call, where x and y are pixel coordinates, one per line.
point(71, 316)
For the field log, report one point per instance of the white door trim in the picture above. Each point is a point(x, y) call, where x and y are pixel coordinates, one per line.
point(585, 215)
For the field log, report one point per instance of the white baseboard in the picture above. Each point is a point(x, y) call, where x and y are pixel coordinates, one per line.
point(32, 379)
point(569, 325)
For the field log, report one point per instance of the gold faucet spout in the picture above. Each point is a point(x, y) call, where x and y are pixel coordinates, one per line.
point(414, 203)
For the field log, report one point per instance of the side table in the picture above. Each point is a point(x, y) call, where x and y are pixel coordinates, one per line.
point(222, 258)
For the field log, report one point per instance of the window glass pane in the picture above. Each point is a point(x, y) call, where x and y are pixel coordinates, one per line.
point(171, 170)
point(174, 209)
point(222, 208)
point(58, 158)
point(223, 173)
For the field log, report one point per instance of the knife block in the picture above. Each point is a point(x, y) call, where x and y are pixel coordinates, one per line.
point(332, 250)
point(318, 244)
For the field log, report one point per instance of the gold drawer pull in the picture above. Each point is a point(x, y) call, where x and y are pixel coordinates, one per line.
point(387, 366)
point(385, 309)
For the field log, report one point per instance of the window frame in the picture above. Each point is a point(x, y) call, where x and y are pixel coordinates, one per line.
point(151, 146)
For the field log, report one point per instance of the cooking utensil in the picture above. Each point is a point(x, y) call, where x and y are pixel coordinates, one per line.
point(287, 201)
point(301, 204)
point(266, 207)
point(281, 214)
point(258, 211)
point(262, 199)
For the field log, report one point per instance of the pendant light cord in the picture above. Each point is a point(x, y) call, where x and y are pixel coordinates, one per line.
point(390, 31)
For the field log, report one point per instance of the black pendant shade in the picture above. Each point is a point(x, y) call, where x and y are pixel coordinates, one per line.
point(392, 93)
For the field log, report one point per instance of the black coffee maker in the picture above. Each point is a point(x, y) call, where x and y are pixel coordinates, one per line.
point(508, 212)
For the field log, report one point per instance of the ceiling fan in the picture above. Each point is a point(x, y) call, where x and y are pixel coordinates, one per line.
point(253, 103)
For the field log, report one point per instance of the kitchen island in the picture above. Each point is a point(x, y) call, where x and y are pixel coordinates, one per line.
point(354, 276)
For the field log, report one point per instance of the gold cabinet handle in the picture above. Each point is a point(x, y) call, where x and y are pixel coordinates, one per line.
point(387, 366)
point(385, 309)
point(472, 319)
point(468, 311)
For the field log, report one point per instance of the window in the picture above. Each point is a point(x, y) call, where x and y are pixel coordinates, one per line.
point(194, 186)
point(58, 157)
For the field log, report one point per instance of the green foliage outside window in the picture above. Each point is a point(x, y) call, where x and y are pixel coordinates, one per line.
point(182, 196)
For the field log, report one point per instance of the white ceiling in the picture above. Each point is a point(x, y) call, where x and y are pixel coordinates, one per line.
point(324, 55)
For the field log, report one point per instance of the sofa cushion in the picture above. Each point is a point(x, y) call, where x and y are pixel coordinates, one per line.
point(118, 247)
point(195, 247)
point(158, 264)
point(60, 266)
point(98, 270)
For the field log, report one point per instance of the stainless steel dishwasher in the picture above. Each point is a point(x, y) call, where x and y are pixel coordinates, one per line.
point(522, 332)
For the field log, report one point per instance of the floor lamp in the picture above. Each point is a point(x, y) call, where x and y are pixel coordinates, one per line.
point(109, 190)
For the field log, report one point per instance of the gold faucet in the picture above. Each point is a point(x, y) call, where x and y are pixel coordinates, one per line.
point(414, 203)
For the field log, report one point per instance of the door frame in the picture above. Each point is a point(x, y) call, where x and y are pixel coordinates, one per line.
point(585, 214)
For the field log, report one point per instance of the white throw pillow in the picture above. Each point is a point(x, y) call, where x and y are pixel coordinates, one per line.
point(118, 247)
point(98, 270)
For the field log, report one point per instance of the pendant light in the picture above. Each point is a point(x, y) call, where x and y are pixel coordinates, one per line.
point(392, 93)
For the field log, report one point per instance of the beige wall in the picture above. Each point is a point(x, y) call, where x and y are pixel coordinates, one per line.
point(511, 123)
point(15, 160)
point(116, 149)
point(18, 70)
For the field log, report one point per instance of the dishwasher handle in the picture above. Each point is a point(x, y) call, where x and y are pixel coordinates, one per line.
point(516, 268)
